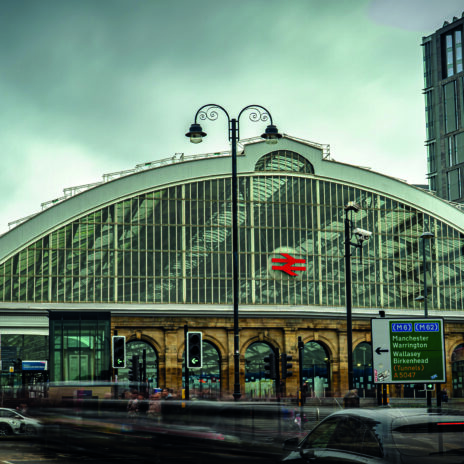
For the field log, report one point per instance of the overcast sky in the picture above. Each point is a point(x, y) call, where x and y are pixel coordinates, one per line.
point(90, 87)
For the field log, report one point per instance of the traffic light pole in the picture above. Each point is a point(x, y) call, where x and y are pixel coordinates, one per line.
point(115, 373)
point(278, 386)
point(187, 374)
point(143, 375)
point(300, 372)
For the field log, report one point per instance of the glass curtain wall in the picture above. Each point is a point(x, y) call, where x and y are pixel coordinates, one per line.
point(173, 245)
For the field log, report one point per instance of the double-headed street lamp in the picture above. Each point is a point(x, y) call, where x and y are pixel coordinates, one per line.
point(361, 235)
point(271, 135)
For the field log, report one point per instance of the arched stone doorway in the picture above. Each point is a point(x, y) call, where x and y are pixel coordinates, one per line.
point(205, 382)
point(457, 370)
point(256, 384)
point(316, 370)
point(362, 371)
point(137, 348)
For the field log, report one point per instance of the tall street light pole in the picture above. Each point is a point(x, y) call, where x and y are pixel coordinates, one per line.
point(361, 235)
point(427, 236)
point(271, 135)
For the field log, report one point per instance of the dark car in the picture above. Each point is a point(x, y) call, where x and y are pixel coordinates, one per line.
point(384, 435)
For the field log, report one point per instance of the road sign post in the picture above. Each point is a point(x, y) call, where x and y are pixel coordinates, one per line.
point(408, 351)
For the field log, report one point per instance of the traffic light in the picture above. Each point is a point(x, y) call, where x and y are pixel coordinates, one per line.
point(270, 367)
point(18, 365)
point(194, 350)
point(429, 386)
point(286, 365)
point(134, 369)
point(119, 351)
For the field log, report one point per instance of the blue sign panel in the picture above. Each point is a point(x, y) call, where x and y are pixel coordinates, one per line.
point(426, 327)
point(34, 365)
point(401, 327)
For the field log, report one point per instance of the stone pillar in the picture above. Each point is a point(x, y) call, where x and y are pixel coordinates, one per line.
point(172, 372)
point(229, 381)
point(290, 347)
point(342, 382)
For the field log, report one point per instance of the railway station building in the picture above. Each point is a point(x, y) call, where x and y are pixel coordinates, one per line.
point(145, 252)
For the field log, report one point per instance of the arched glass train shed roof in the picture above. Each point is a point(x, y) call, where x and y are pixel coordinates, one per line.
point(159, 239)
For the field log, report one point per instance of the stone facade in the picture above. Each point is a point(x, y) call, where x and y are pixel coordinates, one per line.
point(166, 336)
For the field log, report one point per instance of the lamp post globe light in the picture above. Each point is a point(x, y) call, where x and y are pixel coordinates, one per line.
point(271, 136)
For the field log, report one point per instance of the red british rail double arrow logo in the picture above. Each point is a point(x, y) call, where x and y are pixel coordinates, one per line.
point(288, 264)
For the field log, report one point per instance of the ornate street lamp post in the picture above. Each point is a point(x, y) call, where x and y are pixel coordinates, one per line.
point(271, 135)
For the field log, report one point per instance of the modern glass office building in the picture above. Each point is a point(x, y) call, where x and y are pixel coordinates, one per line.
point(444, 109)
point(148, 252)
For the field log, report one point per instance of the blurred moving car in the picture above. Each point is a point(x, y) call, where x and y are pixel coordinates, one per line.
point(13, 422)
point(374, 436)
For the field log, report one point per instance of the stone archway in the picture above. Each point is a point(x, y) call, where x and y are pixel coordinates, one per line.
point(205, 382)
point(362, 370)
point(257, 386)
point(137, 348)
point(457, 371)
point(316, 370)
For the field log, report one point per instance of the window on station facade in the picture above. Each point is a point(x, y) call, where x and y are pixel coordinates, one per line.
point(284, 160)
point(205, 382)
point(79, 346)
point(316, 370)
point(362, 370)
point(457, 367)
point(257, 386)
point(137, 348)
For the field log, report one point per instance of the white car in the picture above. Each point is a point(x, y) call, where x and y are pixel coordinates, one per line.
point(13, 422)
